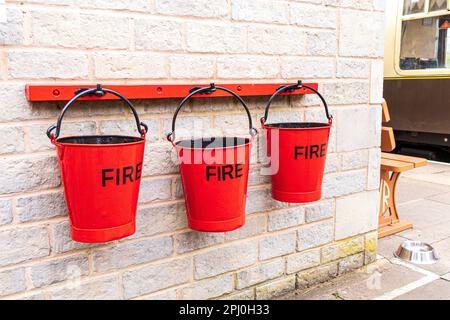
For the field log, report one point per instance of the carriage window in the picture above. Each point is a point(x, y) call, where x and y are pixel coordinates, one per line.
point(413, 6)
point(437, 5)
point(425, 43)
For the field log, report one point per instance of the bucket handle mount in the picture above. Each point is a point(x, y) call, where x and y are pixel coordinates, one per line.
point(290, 88)
point(208, 90)
point(99, 91)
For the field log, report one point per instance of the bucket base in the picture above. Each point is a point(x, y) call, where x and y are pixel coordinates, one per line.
point(296, 197)
point(103, 235)
point(217, 226)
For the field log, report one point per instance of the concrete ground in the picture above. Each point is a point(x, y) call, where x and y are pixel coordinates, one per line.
point(423, 198)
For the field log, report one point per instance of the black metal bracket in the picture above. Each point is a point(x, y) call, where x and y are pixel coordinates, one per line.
point(292, 88)
point(212, 88)
point(98, 93)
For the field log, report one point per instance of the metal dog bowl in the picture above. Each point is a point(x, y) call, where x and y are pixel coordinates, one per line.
point(416, 252)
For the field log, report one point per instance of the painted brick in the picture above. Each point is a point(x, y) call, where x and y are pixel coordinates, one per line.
point(193, 240)
point(306, 15)
point(47, 64)
point(355, 160)
point(260, 273)
point(164, 275)
point(351, 263)
point(302, 261)
point(127, 65)
point(315, 235)
point(356, 214)
point(62, 241)
point(160, 159)
point(344, 183)
point(346, 93)
point(376, 81)
point(275, 246)
point(379, 5)
point(40, 141)
point(253, 226)
point(275, 288)
point(155, 190)
point(243, 295)
point(312, 277)
point(342, 249)
point(57, 270)
point(370, 247)
point(260, 200)
point(191, 67)
point(199, 8)
point(166, 295)
point(12, 281)
point(357, 4)
point(27, 174)
point(11, 31)
point(6, 215)
point(321, 43)
point(202, 37)
point(294, 68)
point(127, 254)
point(207, 289)
point(159, 219)
point(365, 131)
point(373, 171)
point(319, 211)
point(33, 296)
point(44, 206)
point(12, 139)
point(352, 68)
point(276, 40)
point(23, 244)
point(288, 218)
point(224, 259)
point(135, 5)
point(158, 35)
point(189, 127)
point(260, 11)
point(16, 107)
point(247, 67)
point(92, 289)
point(62, 28)
point(128, 127)
point(360, 34)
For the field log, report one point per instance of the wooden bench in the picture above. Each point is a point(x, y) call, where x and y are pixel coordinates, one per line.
point(392, 165)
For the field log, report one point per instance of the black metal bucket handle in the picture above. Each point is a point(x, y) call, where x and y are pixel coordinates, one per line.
point(98, 91)
point(208, 90)
point(294, 87)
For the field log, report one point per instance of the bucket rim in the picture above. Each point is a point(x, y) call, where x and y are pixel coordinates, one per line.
point(140, 140)
point(319, 125)
point(248, 141)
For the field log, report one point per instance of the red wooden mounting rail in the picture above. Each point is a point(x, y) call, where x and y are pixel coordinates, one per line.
point(66, 92)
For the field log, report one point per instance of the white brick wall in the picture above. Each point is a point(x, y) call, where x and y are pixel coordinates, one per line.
point(338, 44)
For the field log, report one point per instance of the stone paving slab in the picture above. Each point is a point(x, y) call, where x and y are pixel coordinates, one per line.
point(436, 290)
point(431, 168)
point(411, 189)
point(423, 198)
point(367, 283)
point(443, 197)
point(424, 213)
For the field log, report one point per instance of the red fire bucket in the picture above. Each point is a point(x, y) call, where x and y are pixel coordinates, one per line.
point(101, 178)
point(214, 174)
point(297, 154)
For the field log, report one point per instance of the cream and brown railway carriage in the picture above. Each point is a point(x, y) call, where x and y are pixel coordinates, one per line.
point(417, 73)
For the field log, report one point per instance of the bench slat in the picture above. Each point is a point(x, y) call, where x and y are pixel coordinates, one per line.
point(395, 165)
point(387, 139)
point(417, 162)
